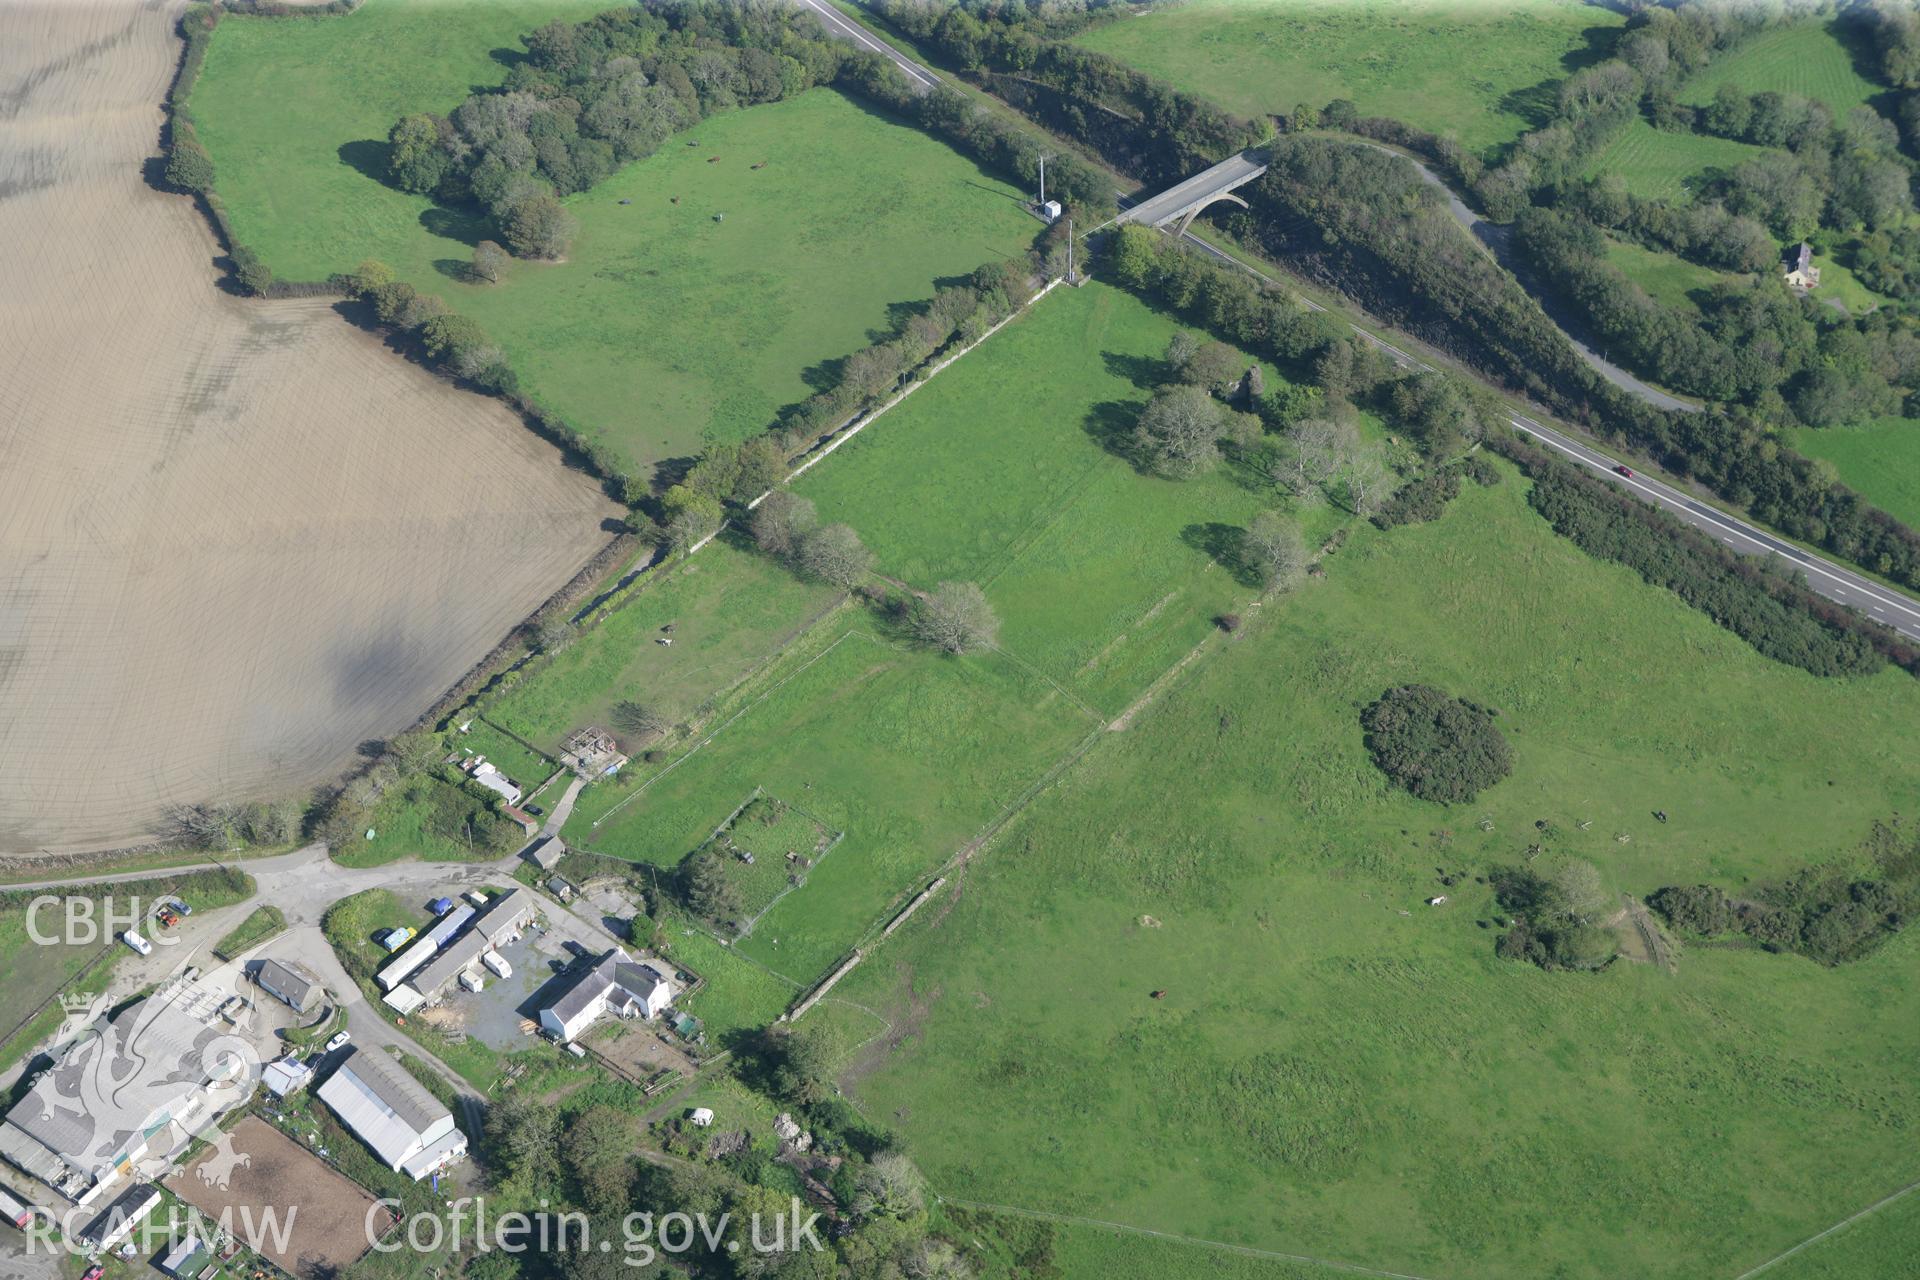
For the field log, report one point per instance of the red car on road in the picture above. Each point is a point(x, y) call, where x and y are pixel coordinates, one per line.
point(1625, 471)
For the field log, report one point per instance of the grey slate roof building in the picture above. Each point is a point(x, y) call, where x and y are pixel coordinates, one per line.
point(291, 981)
point(629, 988)
point(546, 852)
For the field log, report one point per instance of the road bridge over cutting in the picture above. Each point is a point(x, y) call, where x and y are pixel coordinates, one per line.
point(1179, 205)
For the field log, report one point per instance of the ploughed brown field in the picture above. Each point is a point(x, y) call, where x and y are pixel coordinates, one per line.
point(237, 537)
point(328, 1222)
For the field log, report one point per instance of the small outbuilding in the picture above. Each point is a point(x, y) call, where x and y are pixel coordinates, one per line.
point(546, 852)
point(294, 984)
point(701, 1117)
point(288, 1075)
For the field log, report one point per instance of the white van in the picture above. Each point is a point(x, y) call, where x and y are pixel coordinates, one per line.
point(138, 943)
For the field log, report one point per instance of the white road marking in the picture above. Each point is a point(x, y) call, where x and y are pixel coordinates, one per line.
point(859, 36)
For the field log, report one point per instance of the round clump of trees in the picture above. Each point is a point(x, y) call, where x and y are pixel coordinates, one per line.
point(1435, 745)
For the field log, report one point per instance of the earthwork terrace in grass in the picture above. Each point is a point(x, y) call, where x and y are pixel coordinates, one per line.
point(706, 281)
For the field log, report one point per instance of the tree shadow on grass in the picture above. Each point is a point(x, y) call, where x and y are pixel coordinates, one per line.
point(1149, 373)
point(464, 225)
point(1536, 104)
point(369, 157)
point(1226, 545)
point(1111, 424)
point(456, 269)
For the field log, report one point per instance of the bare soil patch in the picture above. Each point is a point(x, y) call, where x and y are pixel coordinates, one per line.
point(240, 537)
point(325, 1214)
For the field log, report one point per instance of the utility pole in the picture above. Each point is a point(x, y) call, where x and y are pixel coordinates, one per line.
point(1043, 177)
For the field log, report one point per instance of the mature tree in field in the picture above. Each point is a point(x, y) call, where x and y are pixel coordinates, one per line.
point(690, 516)
point(763, 464)
point(276, 822)
point(540, 227)
point(711, 892)
point(477, 364)
point(1180, 349)
point(1313, 452)
point(555, 634)
point(1581, 890)
point(415, 159)
point(522, 1136)
point(1213, 365)
point(372, 274)
point(892, 1186)
point(638, 720)
point(1438, 747)
point(1178, 434)
point(781, 521)
point(189, 167)
point(597, 1149)
point(391, 299)
point(803, 1063)
point(255, 276)
point(204, 826)
point(489, 261)
point(1368, 482)
point(446, 336)
point(1276, 551)
point(834, 553)
point(954, 618)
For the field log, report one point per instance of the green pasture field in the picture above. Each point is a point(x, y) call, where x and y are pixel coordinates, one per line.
point(1880, 460)
point(730, 609)
point(1482, 73)
point(400, 826)
point(908, 752)
point(1805, 57)
point(999, 472)
point(1004, 1246)
point(1885, 1245)
point(1667, 277)
point(664, 328)
point(1335, 1068)
point(740, 997)
point(502, 749)
point(769, 875)
point(1659, 165)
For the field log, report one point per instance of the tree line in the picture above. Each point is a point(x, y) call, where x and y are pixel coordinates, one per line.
point(1776, 614)
point(1365, 222)
point(1831, 914)
point(1134, 121)
point(1751, 340)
